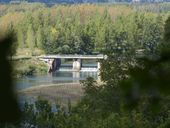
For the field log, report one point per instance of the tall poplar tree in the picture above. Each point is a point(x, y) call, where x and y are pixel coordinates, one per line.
point(30, 38)
point(20, 38)
point(40, 37)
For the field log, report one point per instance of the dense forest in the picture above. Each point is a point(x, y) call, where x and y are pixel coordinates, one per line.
point(84, 29)
point(135, 88)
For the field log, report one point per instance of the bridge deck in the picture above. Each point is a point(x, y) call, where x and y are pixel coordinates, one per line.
point(72, 56)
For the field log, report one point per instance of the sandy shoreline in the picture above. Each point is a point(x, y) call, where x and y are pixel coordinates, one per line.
point(61, 93)
point(46, 86)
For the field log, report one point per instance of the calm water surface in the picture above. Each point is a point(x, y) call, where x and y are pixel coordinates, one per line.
point(55, 78)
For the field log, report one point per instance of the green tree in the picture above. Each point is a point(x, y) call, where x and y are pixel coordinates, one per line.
point(30, 39)
point(12, 35)
point(20, 38)
point(40, 37)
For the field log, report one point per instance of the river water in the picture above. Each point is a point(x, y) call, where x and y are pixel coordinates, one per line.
point(64, 75)
point(54, 78)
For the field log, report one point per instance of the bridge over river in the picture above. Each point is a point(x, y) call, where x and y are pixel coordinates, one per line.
point(54, 61)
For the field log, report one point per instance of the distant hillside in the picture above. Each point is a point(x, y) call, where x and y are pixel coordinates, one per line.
point(51, 2)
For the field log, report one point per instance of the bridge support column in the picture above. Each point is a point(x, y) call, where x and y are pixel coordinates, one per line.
point(98, 66)
point(77, 64)
point(49, 62)
point(98, 71)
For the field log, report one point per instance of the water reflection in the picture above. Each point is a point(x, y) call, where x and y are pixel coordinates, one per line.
point(54, 78)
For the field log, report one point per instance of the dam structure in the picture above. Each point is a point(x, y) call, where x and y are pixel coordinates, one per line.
point(54, 62)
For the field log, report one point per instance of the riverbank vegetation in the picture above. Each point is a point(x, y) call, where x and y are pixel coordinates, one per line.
point(135, 93)
point(27, 67)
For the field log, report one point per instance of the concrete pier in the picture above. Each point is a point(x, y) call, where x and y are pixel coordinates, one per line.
point(98, 66)
point(77, 65)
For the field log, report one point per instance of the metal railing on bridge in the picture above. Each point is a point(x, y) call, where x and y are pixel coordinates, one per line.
point(100, 56)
